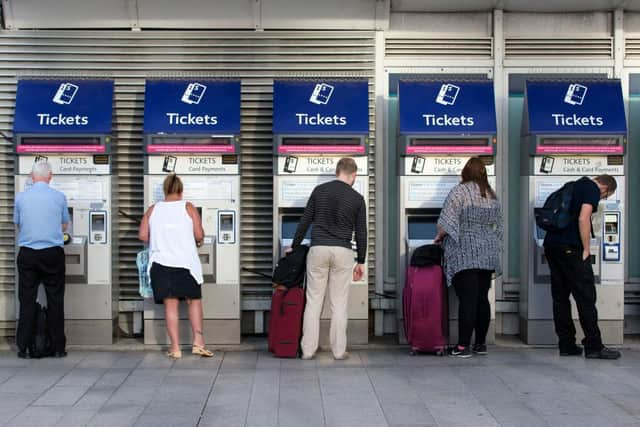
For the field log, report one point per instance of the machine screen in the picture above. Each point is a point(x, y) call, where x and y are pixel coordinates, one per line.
point(422, 228)
point(611, 224)
point(321, 141)
point(84, 140)
point(289, 226)
point(97, 222)
point(226, 222)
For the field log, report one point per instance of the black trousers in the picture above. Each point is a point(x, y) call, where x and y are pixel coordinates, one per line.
point(44, 266)
point(474, 313)
point(570, 275)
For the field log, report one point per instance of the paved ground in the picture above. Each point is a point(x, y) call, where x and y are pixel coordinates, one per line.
point(510, 387)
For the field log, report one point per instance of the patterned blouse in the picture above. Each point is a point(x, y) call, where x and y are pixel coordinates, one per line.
point(474, 231)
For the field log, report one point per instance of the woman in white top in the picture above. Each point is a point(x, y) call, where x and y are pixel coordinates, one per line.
point(173, 229)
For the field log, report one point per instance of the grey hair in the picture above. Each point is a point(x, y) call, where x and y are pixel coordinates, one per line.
point(41, 169)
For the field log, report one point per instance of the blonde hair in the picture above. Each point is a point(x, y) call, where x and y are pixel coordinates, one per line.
point(172, 185)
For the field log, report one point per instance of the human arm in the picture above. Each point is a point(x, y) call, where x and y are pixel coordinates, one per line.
point(584, 227)
point(361, 241)
point(449, 220)
point(65, 214)
point(198, 231)
point(305, 221)
point(143, 231)
point(440, 235)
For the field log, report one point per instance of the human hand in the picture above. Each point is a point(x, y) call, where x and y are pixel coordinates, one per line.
point(288, 250)
point(358, 272)
point(585, 254)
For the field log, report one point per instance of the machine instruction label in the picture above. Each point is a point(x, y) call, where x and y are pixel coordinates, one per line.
point(316, 165)
point(432, 191)
point(65, 165)
point(443, 165)
point(220, 189)
point(191, 165)
point(295, 193)
point(575, 165)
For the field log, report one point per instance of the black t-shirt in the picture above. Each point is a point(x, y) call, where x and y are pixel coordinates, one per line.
point(585, 190)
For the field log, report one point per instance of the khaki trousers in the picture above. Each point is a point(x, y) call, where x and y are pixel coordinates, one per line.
point(330, 266)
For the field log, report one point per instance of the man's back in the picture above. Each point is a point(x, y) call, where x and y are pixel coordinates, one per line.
point(585, 191)
point(39, 214)
point(336, 210)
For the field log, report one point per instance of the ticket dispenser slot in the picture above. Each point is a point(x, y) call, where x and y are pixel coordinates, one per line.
point(75, 256)
point(98, 227)
point(421, 229)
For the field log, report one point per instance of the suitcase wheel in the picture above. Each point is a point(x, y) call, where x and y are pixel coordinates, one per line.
point(413, 353)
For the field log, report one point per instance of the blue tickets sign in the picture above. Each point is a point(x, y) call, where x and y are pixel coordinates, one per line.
point(64, 107)
point(446, 107)
point(321, 107)
point(574, 107)
point(192, 107)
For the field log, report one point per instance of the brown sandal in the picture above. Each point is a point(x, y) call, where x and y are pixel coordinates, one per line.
point(201, 351)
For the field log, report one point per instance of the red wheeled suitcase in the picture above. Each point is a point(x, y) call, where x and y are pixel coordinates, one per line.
point(425, 310)
point(285, 325)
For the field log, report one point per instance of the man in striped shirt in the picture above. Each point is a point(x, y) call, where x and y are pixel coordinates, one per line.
point(336, 210)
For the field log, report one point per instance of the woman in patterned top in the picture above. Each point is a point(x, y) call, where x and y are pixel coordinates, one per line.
point(470, 230)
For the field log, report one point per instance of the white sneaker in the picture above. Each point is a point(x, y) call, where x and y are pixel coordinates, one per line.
point(344, 356)
point(307, 356)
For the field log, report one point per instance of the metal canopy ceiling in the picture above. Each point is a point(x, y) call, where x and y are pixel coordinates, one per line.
point(513, 5)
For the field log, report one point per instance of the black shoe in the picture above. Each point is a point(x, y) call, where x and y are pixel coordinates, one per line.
point(460, 351)
point(59, 354)
point(576, 350)
point(24, 354)
point(480, 349)
point(603, 353)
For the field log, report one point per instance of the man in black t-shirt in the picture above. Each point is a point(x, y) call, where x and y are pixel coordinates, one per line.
point(569, 258)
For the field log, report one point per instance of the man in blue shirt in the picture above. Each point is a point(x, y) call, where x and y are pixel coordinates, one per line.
point(41, 216)
point(569, 258)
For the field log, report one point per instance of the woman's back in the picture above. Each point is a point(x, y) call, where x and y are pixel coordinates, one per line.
point(172, 243)
point(474, 230)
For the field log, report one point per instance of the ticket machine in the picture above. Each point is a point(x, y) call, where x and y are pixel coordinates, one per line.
point(442, 124)
point(315, 123)
point(192, 128)
point(68, 123)
point(572, 129)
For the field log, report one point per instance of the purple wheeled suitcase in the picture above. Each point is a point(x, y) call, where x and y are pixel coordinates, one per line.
point(425, 310)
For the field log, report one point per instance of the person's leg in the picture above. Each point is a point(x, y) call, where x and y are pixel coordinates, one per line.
point(466, 286)
point(340, 275)
point(483, 309)
point(317, 277)
point(53, 279)
point(171, 317)
point(28, 281)
point(195, 318)
point(561, 268)
point(584, 293)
